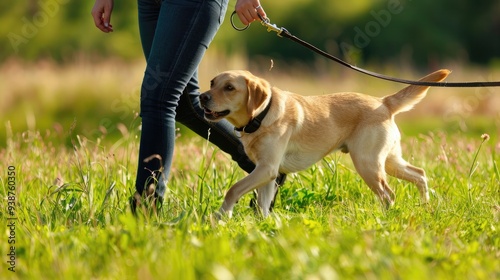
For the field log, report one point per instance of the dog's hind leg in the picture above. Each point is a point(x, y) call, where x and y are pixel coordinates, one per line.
point(372, 171)
point(397, 167)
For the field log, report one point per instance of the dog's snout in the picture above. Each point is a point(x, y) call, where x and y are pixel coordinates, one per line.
point(204, 98)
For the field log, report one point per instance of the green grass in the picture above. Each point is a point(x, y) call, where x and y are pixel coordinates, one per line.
point(74, 222)
point(73, 218)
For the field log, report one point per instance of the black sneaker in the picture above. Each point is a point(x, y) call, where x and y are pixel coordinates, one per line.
point(152, 203)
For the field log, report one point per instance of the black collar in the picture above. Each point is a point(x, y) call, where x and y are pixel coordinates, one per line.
point(254, 124)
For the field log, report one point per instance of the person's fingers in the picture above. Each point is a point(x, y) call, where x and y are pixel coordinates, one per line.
point(99, 23)
point(97, 20)
point(246, 17)
point(101, 13)
point(249, 11)
point(106, 18)
point(261, 11)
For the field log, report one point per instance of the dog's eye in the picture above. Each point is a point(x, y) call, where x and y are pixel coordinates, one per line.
point(211, 83)
point(229, 87)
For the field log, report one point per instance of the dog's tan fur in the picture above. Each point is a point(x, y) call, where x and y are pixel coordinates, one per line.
point(298, 131)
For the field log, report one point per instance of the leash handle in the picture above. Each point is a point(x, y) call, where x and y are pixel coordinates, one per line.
point(234, 25)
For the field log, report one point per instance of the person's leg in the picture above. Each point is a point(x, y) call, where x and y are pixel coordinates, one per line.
point(183, 32)
point(148, 13)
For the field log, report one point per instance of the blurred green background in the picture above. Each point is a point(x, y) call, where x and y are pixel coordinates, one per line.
point(424, 31)
point(60, 74)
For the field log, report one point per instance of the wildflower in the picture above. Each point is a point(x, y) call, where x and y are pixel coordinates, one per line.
point(469, 148)
point(485, 137)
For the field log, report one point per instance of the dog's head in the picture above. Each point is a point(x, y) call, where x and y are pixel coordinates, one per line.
point(236, 96)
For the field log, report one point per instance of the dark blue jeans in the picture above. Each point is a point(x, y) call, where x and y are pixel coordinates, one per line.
point(175, 35)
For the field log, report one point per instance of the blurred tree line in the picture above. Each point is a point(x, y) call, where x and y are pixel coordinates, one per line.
point(423, 32)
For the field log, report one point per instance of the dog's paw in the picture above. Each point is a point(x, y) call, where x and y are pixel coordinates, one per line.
point(219, 218)
point(221, 215)
point(425, 198)
point(224, 214)
point(387, 203)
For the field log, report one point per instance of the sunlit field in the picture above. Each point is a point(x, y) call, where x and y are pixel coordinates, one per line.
point(69, 143)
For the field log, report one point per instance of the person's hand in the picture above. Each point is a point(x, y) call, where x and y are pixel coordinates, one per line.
point(249, 11)
point(101, 12)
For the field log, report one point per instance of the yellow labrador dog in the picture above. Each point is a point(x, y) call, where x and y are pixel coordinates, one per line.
point(283, 132)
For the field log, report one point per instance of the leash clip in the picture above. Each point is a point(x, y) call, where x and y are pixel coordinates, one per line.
point(270, 27)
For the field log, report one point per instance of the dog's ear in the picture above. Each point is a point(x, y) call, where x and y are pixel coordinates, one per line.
point(258, 92)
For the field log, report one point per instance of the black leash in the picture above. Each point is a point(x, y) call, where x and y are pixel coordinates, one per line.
point(282, 32)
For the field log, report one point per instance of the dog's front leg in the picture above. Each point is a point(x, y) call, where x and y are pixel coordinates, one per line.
point(262, 175)
point(265, 196)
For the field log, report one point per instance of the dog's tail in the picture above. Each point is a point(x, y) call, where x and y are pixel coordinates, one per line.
point(408, 97)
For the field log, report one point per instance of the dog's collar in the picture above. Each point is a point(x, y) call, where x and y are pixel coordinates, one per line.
point(254, 124)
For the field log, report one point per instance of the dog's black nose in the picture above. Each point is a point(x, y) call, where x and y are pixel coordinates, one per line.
point(204, 98)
